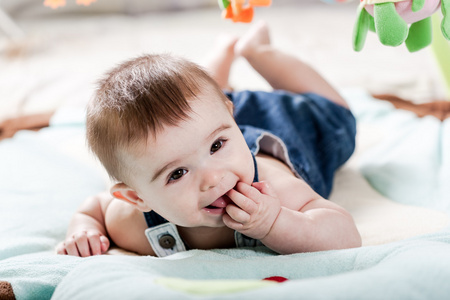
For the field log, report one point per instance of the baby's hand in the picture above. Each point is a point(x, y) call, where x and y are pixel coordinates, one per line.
point(84, 243)
point(254, 209)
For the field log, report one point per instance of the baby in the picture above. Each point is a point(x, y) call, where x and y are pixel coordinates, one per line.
point(197, 168)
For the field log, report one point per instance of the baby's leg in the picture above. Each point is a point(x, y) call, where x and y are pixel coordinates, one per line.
point(218, 62)
point(281, 70)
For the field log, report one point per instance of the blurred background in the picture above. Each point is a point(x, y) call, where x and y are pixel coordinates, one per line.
point(53, 57)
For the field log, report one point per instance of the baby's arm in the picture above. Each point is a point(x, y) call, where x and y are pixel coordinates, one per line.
point(316, 225)
point(87, 234)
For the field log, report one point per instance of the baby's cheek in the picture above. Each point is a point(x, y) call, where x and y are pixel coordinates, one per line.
point(250, 171)
point(242, 158)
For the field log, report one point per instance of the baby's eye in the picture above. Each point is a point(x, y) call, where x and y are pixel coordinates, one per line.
point(177, 174)
point(216, 146)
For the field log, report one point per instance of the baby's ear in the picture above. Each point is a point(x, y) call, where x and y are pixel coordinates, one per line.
point(123, 192)
point(230, 106)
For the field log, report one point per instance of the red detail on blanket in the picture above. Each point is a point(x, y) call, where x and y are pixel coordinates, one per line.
point(276, 278)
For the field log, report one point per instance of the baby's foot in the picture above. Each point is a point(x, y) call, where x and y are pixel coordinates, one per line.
point(223, 49)
point(226, 43)
point(257, 36)
point(219, 62)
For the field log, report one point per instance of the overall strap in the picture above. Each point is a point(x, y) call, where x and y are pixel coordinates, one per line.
point(255, 178)
point(153, 219)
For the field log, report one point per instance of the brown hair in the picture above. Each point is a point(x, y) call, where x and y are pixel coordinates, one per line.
point(138, 98)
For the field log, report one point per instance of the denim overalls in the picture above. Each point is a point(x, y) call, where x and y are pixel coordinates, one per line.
point(309, 133)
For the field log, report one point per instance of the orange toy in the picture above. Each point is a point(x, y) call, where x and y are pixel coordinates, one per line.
point(57, 3)
point(239, 11)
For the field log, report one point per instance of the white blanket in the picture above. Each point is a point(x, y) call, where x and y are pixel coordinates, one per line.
point(46, 174)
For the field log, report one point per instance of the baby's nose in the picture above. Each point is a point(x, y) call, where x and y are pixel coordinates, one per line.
point(210, 179)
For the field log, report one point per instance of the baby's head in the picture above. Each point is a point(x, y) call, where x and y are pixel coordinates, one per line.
point(164, 130)
point(137, 99)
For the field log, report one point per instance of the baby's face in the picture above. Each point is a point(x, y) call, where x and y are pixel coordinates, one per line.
point(184, 172)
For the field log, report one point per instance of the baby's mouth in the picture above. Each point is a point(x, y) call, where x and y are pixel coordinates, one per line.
point(219, 204)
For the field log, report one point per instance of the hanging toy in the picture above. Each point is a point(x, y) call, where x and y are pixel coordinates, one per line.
point(54, 4)
point(239, 11)
point(389, 19)
point(335, 1)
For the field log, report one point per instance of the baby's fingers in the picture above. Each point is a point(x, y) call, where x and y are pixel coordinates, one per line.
point(231, 223)
point(243, 201)
point(237, 214)
point(71, 247)
point(61, 249)
point(94, 243)
point(104, 243)
point(248, 190)
point(84, 244)
point(264, 188)
point(80, 244)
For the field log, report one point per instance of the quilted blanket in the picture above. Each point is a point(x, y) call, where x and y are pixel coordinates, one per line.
point(396, 187)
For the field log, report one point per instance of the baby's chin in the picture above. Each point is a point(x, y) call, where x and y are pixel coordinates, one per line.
point(215, 223)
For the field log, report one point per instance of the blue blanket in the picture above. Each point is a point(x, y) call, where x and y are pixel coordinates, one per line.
point(417, 268)
point(45, 175)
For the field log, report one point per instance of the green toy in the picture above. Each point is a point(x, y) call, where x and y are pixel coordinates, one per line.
point(441, 50)
point(390, 19)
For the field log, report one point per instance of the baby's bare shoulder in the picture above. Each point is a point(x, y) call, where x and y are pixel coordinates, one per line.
point(121, 211)
point(125, 226)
